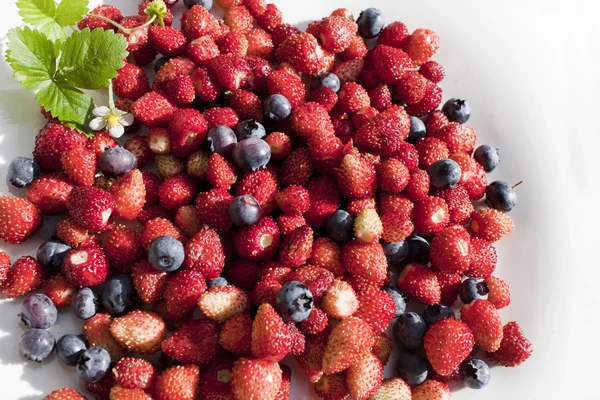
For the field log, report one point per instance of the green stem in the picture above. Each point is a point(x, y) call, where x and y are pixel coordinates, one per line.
point(517, 184)
point(121, 27)
point(111, 99)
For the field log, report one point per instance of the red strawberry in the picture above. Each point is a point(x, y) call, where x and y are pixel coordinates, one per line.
point(215, 380)
point(259, 241)
point(153, 110)
point(270, 19)
point(238, 19)
point(433, 71)
point(390, 63)
point(177, 191)
point(473, 176)
point(102, 387)
point(422, 45)
point(204, 253)
point(332, 387)
point(139, 331)
point(327, 254)
point(393, 176)
point(138, 146)
point(447, 343)
point(491, 225)
point(288, 85)
point(221, 116)
point(188, 130)
point(376, 308)
point(212, 210)
point(207, 87)
point(435, 121)
point(412, 88)
point(145, 55)
point(449, 286)
point(311, 120)
point(349, 71)
point(53, 140)
point(152, 212)
point(365, 260)
point(365, 376)
point(514, 348)
point(119, 393)
point(220, 303)
point(129, 193)
point(397, 204)
point(450, 249)
point(408, 155)
point(318, 280)
point(194, 343)
point(302, 51)
point(182, 291)
point(483, 319)
point(59, 290)
point(4, 266)
point(431, 215)
point(197, 22)
point(259, 43)
point(353, 97)
point(202, 50)
point(336, 33)
point(233, 43)
point(134, 373)
point(324, 96)
point(181, 89)
point(315, 323)
point(418, 185)
point(243, 273)
point(246, 104)
point(431, 150)
point(172, 69)
point(381, 98)
point(159, 227)
point(392, 388)
point(356, 177)
point(106, 11)
point(460, 206)
point(25, 276)
point(394, 35)
point(236, 334)
point(382, 347)
point(178, 382)
point(458, 138)
point(271, 338)
point(325, 200)
point(96, 331)
point(294, 199)
point(262, 185)
point(483, 258)
point(90, 207)
point(80, 165)
point(348, 342)
point(383, 134)
point(65, 394)
point(396, 227)
point(148, 281)
point(296, 247)
point(100, 141)
point(274, 270)
point(499, 294)
point(355, 207)
point(131, 82)
point(85, 266)
point(255, 379)
point(138, 38)
point(340, 300)
point(151, 183)
point(18, 219)
point(296, 168)
point(231, 71)
point(186, 219)
point(431, 390)
point(49, 193)
point(168, 41)
point(311, 360)
point(265, 291)
point(420, 284)
point(356, 49)
point(430, 101)
point(122, 247)
point(72, 234)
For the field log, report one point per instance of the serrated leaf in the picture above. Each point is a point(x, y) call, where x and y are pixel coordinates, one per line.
point(70, 104)
point(69, 12)
point(90, 59)
point(55, 33)
point(31, 55)
point(37, 12)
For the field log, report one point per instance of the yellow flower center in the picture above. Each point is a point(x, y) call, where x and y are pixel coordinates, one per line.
point(112, 120)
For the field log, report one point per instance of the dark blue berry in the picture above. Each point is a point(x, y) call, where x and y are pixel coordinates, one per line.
point(501, 196)
point(250, 129)
point(116, 293)
point(399, 298)
point(84, 303)
point(277, 107)
point(294, 301)
point(160, 62)
point(93, 364)
point(48, 228)
point(472, 289)
point(252, 154)
point(417, 130)
point(340, 226)
point(329, 80)
point(38, 311)
point(457, 110)
point(395, 252)
point(409, 331)
point(488, 157)
point(437, 312)
point(116, 161)
point(22, 171)
point(218, 281)
point(444, 174)
point(51, 253)
point(418, 250)
point(222, 140)
point(412, 368)
point(475, 373)
point(244, 210)
point(370, 23)
point(204, 3)
point(69, 348)
point(166, 253)
point(37, 344)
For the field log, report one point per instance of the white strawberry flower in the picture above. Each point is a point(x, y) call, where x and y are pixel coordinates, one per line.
point(111, 117)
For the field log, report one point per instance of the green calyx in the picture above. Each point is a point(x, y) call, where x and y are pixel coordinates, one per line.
point(157, 12)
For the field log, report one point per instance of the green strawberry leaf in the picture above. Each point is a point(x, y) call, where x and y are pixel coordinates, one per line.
point(31, 55)
point(69, 104)
point(37, 12)
point(70, 12)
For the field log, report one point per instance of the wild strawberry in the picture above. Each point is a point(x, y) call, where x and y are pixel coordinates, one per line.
point(119, 393)
point(90, 207)
point(431, 150)
point(152, 212)
point(212, 210)
point(365, 260)
point(348, 342)
point(336, 33)
point(172, 69)
point(134, 373)
point(382, 347)
point(365, 376)
point(369, 79)
point(236, 334)
point(491, 225)
point(188, 130)
point(422, 45)
point(215, 380)
point(450, 249)
point(148, 281)
point(332, 387)
point(65, 394)
point(138, 146)
point(431, 389)
point(380, 97)
point(243, 273)
point(274, 270)
point(288, 85)
point(85, 266)
point(435, 121)
point(168, 41)
point(106, 11)
point(390, 63)
point(296, 168)
point(270, 19)
point(151, 184)
point(271, 338)
point(412, 88)
point(139, 331)
point(311, 120)
point(327, 254)
point(100, 141)
point(19, 219)
point(230, 71)
point(207, 87)
point(311, 360)
point(376, 308)
point(220, 303)
point(256, 7)
point(349, 71)
point(261, 185)
point(340, 300)
point(103, 387)
point(233, 43)
point(183, 290)
point(296, 247)
point(447, 343)
point(393, 176)
point(159, 227)
point(392, 388)
point(483, 319)
point(458, 138)
point(302, 51)
point(396, 227)
point(287, 223)
point(293, 200)
point(383, 134)
point(473, 176)
point(363, 116)
point(483, 258)
point(4, 266)
point(259, 43)
point(353, 97)
point(131, 82)
point(144, 55)
point(431, 215)
point(259, 241)
point(281, 32)
point(323, 96)
point(202, 50)
point(96, 331)
point(197, 22)
point(72, 234)
point(255, 379)
point(247, 105)
point(325, 200)
point(204, 253)
point(430, 101)
point(129, 193)
point(433, 71)
point(449, 286)
point(367, 226)
point(153, 110)
point(394, 35)
point(238, 19)
point(181, 89)
point(514, 348)
point(25, 276)
point(418, 185)
point(138, 38)
point(408, 155)
point(356, 177)
point(196, 165)
point(318, 280)
point(316, 322)
point(221, 116)
point(460, 206)
point(177, 191)
point(194, 343)
point(499, 294)
point(178, 382)
point(53, 140)
point(122, 247)
point(397, 204)
point(186, 219)
point(356, 49)
point(265, 291)
point(419, 283)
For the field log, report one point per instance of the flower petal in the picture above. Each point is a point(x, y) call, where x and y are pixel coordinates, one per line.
point(126, 119)
point(116, 131)
point(98, 124)
point(101, 111)
point(116, 111)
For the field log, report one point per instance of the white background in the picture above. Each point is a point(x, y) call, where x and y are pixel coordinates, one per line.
point(531, 72)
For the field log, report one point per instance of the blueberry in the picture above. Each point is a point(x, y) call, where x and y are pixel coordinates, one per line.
point(370, 23)
point(48, 228)
point(475, 373)
point(69, 348)
point(93, 364)
point(22, 171)
point(252, 154)
point(488, 157)
point(84, 303)
point(501, 196)
point(418, 250)
point(38, 311)
point(395, 252)
point(444, 174)
point(399, 298)
point(116, 161)
point(340, 226)
point(204, 3)
point(472, 289)
point(51, 253)
point(417, 130)
point(412, 368)
point(218, 281)
point(329, 80)
point(277, 107)
point(250, 129)
point(222, 140)
point(244, 210)
point(294, 301)
point(37, 344)
point(116, 293)
point(160, 62)
point(437, 312)
point(166, 253)
point(457, 110)
point(409, 330)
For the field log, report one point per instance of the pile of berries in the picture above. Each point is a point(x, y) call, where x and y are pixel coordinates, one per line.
point(308, 189)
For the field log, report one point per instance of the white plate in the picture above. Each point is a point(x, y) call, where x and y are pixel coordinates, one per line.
point(530, 73)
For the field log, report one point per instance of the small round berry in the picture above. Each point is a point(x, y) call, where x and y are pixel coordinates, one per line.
point(277, 107)
point(51, 253)
point(475, 373)
point(250, 129)
point(501, 196)
point(395, 252)
point(244, 210)
point(409, 331)
point(399, 298)
point(487, 156)
point(116, 294)
point(222, 140)
point(204, 3)
point(166, 253)
point(412, 368)
point(38, 311)
point(84, 304)
point(37, 344)
point(93, 364)
point(328, 80)
point(116, 161)
point(160, 62)
point(69, 348)
point(370, 23)
point(417, 130)
point(472, 289)
point(218, 281)
point(252, 154)
point(418, 250)
point(457, 110)
point(445, 173)
point(340, 226)
point(22, 171)
point(294, 301)
point(437, 312)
